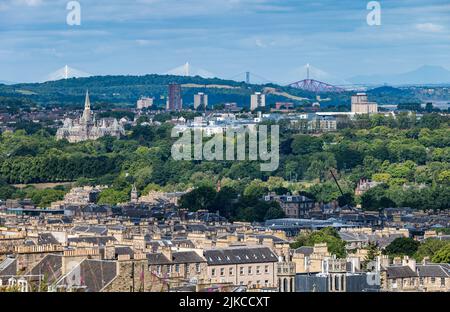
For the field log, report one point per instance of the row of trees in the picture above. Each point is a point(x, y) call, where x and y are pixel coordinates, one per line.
point(230, 204)
point(438, 251)
point(329, 235)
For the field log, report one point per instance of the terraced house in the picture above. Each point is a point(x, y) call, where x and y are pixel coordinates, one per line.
point(253, 267)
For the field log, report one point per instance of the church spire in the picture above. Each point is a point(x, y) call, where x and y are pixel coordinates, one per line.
point(87, 102)
point(87, 108)
point(134, 194)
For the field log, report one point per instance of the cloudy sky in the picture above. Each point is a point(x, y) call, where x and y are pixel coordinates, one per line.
point(271, 38)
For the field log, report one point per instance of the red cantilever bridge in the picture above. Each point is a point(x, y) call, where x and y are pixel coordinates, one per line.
point(316, 86)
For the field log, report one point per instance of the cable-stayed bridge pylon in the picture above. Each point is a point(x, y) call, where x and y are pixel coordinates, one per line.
point(66, 72)
point(188, 70)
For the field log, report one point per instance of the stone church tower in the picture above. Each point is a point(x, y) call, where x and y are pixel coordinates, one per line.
point(87, 114)
point(134, 195)
point(86, 127)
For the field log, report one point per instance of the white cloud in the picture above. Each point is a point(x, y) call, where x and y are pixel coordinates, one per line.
point(146, 42)
point(28, 2)
point(429, 27)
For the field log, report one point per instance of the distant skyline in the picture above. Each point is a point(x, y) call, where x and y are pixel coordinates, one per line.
point(271, 38)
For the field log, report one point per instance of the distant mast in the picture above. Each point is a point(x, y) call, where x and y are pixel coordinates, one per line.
point(187, 72)
point(66, 72)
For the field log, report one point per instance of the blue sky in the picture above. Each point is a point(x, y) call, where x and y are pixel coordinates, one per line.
point(272, 38)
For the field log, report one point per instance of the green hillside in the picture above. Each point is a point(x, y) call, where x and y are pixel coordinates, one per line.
point(125, 90)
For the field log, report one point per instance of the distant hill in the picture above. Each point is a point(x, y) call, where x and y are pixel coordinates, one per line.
point(126, 90)
point(5, 82)
point(390, 95)
point(422, 76)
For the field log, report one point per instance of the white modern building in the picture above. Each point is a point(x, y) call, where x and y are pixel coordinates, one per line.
point(144, 102)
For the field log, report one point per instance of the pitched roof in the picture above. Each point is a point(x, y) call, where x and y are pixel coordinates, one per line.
point(239, 255)
point(47, 239)
point(304, 250)
point(123, 250)
point(400, 272)
point(95, 229)
point(186, 257)
point(275, 239)
point(96, 240)
point(157, 259)
point(92, 275)
point(8, 267)
point(353, 237)
point(49, 267)
point(433, 270)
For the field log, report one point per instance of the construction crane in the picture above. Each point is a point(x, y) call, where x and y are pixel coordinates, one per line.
point(340, 189)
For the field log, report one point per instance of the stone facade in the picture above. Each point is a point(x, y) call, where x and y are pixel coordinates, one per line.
point(87, 128)
point(134, 276)
point(254, 267)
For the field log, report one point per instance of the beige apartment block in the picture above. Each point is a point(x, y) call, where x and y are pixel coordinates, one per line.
point(254, 267)
point(309, 259)
point(361, 104)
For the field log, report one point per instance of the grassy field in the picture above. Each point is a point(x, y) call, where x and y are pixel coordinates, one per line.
point(43, 186)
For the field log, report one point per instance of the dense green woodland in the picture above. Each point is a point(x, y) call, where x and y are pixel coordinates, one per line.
point(125, 90)
point(410, 158)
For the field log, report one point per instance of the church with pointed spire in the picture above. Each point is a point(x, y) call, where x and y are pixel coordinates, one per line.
point(86, 127)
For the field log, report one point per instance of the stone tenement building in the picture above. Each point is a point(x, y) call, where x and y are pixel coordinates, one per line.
point(87, 128)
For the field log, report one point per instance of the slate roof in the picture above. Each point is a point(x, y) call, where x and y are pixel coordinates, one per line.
point(383, 242)
point(94, 229)
point(92, 275)
point(196, 228)
point(124, 250)
point(304, 250)
point(157, 259)
point(186, 257)
point(8, 267)
point(96, 240)
point(400, 272)
point(353, 237)
point(182, 242)
point(29, 242)
point(275, 239)
point(47, 239)
point(49, 267)
point(177, 258)
point(433, 270)
point(179, 228)
point(240, 255)
point(177, 242)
